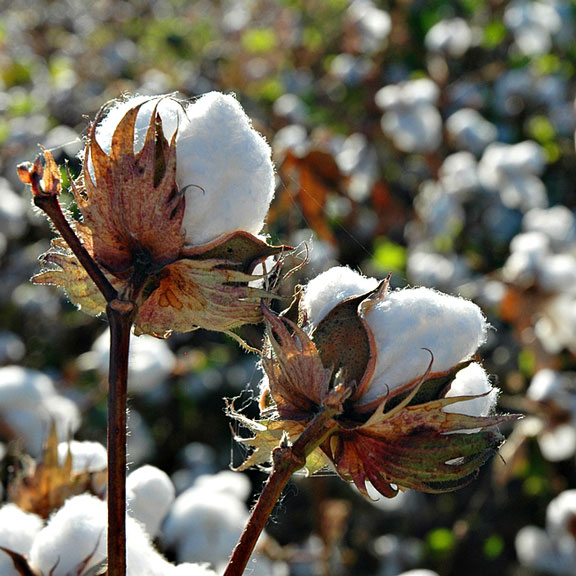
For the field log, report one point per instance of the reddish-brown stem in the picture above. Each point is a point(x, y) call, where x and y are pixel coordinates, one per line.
point(286, 460)
point(120, 315)
point(51, 206)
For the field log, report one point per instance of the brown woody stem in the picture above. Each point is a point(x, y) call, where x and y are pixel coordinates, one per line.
point(120, 315)
point(286, 459)
point(51, 206)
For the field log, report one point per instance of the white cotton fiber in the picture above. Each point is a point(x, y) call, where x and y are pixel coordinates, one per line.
point(332, 287)
point(226, 169)
point(86, 456)
point(473, 381)
point(20, 387)
point(408, 323)
point(17, 532)
point(74, 535)
point(150, 494)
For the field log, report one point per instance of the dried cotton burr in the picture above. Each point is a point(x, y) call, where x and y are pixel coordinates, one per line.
point(172, 196)
point(416, 410)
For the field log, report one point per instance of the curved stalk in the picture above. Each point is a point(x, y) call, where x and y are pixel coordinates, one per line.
point(286, 459)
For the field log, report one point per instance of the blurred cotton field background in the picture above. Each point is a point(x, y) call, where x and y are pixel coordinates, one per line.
point(433, 140)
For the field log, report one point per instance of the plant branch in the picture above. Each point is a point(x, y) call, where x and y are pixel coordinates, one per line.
point(120, 314)
point(51, 207)
point(286, 459)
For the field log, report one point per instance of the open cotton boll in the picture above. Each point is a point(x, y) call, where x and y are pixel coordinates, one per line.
point(470, 130)
point(226, 169)
point(226, 482)
point(408, 321)
point(150, 494)
point(17, 532)
point(332, 287)
point(452, 37)
point(75, 536)
point(21, 387)
point(561, 515)
point(472, 381)
point(188, 569)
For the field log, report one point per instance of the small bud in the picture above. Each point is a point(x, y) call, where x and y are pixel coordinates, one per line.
point(43, 175)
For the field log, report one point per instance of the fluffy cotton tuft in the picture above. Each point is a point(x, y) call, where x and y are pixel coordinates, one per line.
point(86, 456)
point(332, 287)
point(150, 494)
point(473, 381)
point(226, 169)
point(407, 322)
point(17, 532)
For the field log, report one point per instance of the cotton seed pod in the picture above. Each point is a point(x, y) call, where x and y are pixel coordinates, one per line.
point(171, 195)
point(419, 410)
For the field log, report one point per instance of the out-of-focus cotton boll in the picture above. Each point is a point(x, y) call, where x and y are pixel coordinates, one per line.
point(293, 137)
point(419, 572)
point(558, 223)
point(86, 456)
point(372, 24)
point(150, 363)
point(13, 210)
point(17, 532)
point(527, 253)
point(204, 525)
point(452, 37)
point(441, 271)
point(411, 119)
point(12, 348)
point(150, 494)
point(537, 551)
point(349, 69)
point(458, 175)
point(358, 159)
point(470, 130)
point(29, 404)
point(556, 327)
point(534, 25)
point(188, 569)
point(558, 273)
point(291, 107)
point(512, 171)
point(441, 213)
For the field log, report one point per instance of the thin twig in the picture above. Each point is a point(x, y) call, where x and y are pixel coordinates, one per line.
point(286, 459)
point(51, 206)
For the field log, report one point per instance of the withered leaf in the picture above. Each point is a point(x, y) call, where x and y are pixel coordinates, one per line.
point(20, 562)
point(199, 294)
point(131, 203)
point(298, 380)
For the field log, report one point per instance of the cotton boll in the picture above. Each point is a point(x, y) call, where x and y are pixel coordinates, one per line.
point(150, 494)
point(444, 272)
point(291, 107)
point(13, 211)
point(558, 273)
point(408, 321)
point(20, 387)
point(75, 535)
point(558, 443)
point(556, 327)
point(293, 137)
point(372, 23)
point(472, 381)
point(419, 572)
point(535, 550)
point(331, 287)
point(225, 167)
point(418, 130)
point(86, 456)
point(470, 130)
point(442, 213)
point(226, 482)
point(188, 569)
point(17, 532)
point(452, 37)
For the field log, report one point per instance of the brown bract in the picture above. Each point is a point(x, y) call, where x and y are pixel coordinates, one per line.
point(131, 205)
point(408, 441)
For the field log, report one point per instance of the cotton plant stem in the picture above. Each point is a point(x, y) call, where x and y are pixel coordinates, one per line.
point(120, 315)
point(286, 459)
